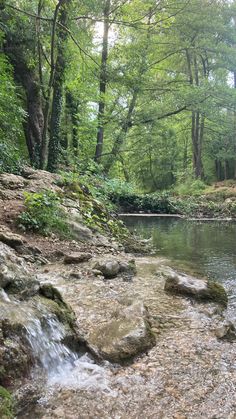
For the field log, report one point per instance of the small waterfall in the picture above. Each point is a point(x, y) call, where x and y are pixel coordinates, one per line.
point(45, 338)
point(64, 368)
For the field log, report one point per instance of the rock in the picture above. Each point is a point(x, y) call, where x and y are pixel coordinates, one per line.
point(127, 269)
point(109, 268)
point(199, 289)
point(226, 331)
point(14, 276)
point(125, 336)
point(79, 231)
point(10, 181)
point(11, 239)
point(76, 257)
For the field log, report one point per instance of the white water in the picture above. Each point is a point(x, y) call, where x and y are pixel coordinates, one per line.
point(47, 347)
point(64, 368)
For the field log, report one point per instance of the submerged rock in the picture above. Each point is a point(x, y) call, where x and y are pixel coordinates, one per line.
point(125, 336)
point(199, 289)
point(226, 331)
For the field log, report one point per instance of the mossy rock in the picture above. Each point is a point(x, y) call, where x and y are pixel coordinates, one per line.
point(217, 293)
point(6, 404)
point(53, 298)
point(199, 289)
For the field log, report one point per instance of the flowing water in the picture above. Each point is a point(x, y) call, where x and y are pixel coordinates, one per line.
point(188, 374)
point(206, 248)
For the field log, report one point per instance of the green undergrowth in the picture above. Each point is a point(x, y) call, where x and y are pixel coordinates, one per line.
point(43, 214)
point(6, 404)
point(96, 208)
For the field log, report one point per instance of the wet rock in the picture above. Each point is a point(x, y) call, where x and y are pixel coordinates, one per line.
point(199, 289)
point(226, 331)
point(125, 336)
point(11, 266)
point(109, 268)
point(76, 257)
point(127, 269)
point(14, 354)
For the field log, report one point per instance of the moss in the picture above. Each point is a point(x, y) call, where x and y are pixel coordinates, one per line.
point(57, 305)
point(216, 292)
point(6, 404)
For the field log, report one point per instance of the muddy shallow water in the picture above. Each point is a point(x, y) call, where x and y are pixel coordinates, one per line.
point(188, 374)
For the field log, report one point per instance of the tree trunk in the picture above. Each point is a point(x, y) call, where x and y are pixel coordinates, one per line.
point(58, 85)
point(72, 106)
point(102, 84)
point(28, 78)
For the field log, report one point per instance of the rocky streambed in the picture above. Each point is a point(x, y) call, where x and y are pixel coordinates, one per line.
point(91, 335)
point(86, 331)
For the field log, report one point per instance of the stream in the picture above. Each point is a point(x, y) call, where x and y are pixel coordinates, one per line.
point(188, 374)
point(206, 248)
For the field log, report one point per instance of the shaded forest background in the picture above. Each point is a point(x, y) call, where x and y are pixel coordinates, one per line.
point(142, 91)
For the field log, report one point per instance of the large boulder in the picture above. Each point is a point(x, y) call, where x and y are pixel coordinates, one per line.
point(125, 336)
point(199, 289)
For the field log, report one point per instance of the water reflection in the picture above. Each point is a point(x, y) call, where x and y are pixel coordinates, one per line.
point(208, 248)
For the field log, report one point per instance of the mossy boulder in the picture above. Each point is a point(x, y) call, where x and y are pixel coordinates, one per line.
point(199, 289)
point(6, 404)
point(126, 335)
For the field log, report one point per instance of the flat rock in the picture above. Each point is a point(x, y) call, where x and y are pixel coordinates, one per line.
point(125, 336)
point(11, 239)
point(77, 257)
point(199, 289)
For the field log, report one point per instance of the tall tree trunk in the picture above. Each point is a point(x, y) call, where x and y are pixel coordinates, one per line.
point(197, 131)
point(72, 106)
point(58, 84)
point(102, 84)
point(44, 147)
point(28, 78)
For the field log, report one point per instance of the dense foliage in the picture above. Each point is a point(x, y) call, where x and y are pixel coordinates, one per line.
point(147, 90)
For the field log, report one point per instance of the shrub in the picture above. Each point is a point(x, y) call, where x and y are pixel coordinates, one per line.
point(190, 187)
point(43, 214)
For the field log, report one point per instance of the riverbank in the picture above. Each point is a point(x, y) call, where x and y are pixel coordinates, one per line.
point(215, 202)
point(131, 348)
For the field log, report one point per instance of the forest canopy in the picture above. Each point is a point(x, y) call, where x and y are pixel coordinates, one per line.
point(140, 90)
